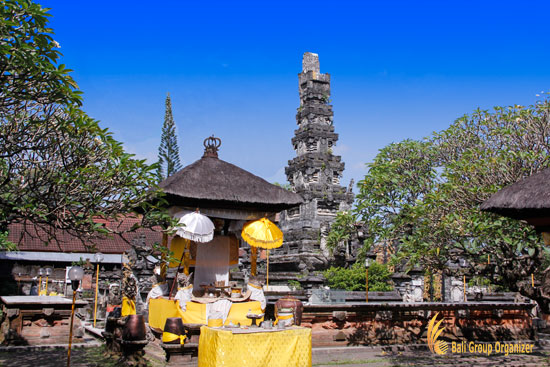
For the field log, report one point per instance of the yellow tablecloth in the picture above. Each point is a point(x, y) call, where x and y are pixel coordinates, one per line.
point(195, 313)
point(288, 348)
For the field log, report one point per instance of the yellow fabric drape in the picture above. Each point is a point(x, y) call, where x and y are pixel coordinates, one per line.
point(128, 307)
point(239, 310)
point(168, 337)
point(195, 313)
point(160, 309)
point(215, 322)
point(291, 347)
point(177, 246)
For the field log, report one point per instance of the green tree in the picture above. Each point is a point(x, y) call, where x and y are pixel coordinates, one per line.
point(401, 175)
point(169, 155)
point(58, 168)
point(341, 230)
point(427, 200)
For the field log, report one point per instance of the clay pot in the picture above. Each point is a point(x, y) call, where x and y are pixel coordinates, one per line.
point(134, 329)
point(293, 303)
point(174, 325)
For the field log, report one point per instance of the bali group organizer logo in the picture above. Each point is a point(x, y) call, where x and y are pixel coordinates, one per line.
point(436, 346)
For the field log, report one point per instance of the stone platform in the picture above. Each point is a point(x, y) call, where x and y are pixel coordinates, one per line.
point(33, 320)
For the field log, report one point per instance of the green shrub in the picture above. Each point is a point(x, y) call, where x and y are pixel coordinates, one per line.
point(353, 278)
point(295, 284)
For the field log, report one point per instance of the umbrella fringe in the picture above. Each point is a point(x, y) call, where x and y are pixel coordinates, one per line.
point(195, 237)
point(263, 244)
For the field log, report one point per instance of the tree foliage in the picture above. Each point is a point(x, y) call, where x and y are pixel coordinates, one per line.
point(58, 168)
point(341, 230)
point(425, 196)
point(169, 154)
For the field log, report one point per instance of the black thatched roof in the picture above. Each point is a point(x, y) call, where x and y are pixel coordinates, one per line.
point(213, 183)
point(527, 198)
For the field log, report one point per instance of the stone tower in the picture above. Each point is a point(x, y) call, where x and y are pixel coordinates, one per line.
point(314, 173)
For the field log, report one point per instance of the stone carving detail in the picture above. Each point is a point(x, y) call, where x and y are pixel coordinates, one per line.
point(457, 290)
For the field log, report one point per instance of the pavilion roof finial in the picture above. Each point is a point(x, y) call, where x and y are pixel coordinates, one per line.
point(211, 146)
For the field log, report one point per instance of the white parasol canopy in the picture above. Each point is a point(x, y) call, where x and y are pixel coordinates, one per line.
point(195, 227)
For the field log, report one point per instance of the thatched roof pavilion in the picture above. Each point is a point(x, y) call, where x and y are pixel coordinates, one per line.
point(527, 199)
point(211, 183)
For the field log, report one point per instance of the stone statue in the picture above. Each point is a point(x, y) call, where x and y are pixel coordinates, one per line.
point(159, 287)
point(185, 289)
point(255, 286)
point(129, 283)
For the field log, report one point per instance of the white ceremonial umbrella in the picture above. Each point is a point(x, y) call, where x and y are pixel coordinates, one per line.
point(195, 227)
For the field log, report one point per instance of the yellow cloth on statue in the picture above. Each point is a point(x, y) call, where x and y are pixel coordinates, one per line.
point(128, 307)
point(168, 337)
point(291, 347)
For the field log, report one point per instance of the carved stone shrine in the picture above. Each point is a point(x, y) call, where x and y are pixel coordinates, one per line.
point(315, 175)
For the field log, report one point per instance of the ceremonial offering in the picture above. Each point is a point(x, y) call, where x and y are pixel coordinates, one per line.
point(236, 292)
point(254, 317)
point(290, 304)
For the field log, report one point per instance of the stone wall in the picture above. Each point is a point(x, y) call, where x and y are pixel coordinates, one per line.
point(398, 323)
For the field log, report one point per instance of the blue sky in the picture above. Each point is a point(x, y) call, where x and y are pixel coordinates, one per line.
point(399, 69)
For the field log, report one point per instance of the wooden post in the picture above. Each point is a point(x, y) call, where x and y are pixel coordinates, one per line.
point(96, 289)
point(40, 285)
point(186, 251)
point(464, 281)
point(71, 332)
point(163, 257)
point(367, 284)
point(253, 257)
point(267, 271)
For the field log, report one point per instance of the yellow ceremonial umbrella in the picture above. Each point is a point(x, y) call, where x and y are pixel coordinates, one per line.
point(264, 234)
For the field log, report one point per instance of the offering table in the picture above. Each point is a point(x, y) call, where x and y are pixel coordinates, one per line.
point(255, 347)
point(160, 309)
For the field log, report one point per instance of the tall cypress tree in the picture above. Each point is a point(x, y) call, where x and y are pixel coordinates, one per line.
point(169, 156)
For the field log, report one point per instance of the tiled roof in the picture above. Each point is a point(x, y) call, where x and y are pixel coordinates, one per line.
point(31, 238)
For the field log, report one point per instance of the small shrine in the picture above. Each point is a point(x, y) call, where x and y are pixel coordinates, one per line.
point(219, 206)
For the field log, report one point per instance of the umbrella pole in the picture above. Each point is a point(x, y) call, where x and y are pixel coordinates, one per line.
point(186, 257)
point(176, 277)
point(253, 256)
point(163, 256)
point(267, 272)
